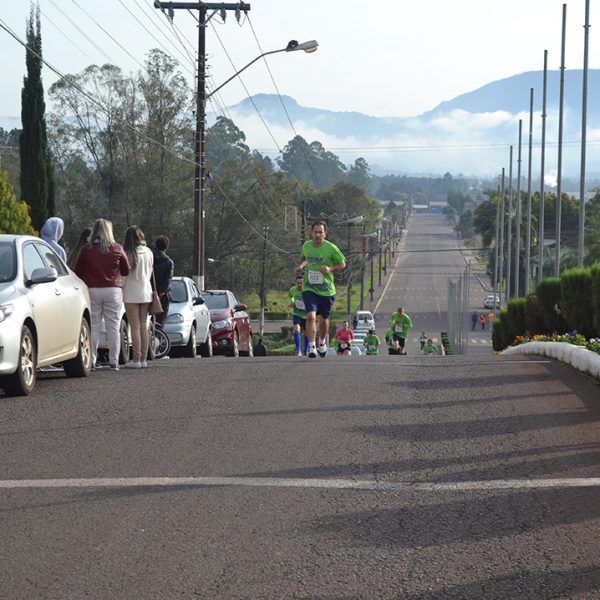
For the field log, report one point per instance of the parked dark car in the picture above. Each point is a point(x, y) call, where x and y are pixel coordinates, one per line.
point(231, 328)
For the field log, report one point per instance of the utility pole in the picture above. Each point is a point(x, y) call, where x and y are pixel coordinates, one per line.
point(528, 232)
point(200, 153)
point(371, 289)
point(518, 217)
point(263, 281)
point(542, 175)
point(561, 103)
point(501, 261)
point(580, 244)
point(362, 266)
point(509, 229)
point(496, 252)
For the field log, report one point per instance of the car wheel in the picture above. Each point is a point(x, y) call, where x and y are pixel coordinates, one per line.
point(235, 348)
point(190, 349)
point(124, 335)
point(22, 381)
point(206, 348)
point(81, 365)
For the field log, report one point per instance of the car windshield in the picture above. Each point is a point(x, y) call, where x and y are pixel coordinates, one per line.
point(8, 263)
point(218, 300)
point(178, 291)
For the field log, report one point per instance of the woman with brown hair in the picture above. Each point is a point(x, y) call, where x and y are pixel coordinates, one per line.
point(137, 294)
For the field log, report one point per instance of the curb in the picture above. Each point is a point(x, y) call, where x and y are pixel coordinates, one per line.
point(582, 359)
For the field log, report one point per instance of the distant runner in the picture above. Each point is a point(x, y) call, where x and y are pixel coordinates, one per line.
point(430, 347)
point(320, 258)
point(401, 325)
point(371, 343)
point(344, 338)
point(393, 345)
point(298, 315)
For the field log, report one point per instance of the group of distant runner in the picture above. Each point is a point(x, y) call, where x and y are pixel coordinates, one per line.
point(314, 294)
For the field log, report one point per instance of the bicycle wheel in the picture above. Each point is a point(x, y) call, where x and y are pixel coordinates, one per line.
point(162, 344)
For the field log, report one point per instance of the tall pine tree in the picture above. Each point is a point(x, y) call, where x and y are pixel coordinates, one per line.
point(37, 181)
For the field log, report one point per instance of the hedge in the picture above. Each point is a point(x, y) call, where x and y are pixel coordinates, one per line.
point(549, 294)
point(500, 334)
point(516, 325)
point(596, 297)
point(576, 300)
point(534, 322)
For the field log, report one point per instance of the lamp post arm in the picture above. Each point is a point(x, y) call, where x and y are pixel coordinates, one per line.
point(243, 69)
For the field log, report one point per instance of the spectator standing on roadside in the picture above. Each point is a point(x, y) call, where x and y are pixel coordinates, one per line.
point(84, 238)
point(102, 264)
point(482, 320)
point(474, 319)
point(260, 348)
point(137, 294)
point(491, 319)
point(163, 274)
point(52, 230)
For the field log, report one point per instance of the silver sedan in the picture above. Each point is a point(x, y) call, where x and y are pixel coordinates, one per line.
point(44, 314)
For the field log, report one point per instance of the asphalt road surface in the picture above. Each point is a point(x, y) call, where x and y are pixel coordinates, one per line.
point(414, 477)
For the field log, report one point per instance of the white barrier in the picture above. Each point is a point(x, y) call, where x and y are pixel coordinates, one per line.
point(580, 358)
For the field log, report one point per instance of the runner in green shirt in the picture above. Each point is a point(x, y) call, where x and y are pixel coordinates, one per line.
point(320, 258)
point(371, 343)
point(298, 315)
point(430, 347)
point(401, 324)
point(393, 345)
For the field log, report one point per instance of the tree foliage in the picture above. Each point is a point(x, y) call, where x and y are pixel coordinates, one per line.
point(36, 174)
point(14, 215)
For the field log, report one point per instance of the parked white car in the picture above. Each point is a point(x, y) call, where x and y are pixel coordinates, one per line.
point(489, 301)
point(364, 320)
point(188, 321)
point(44, 314)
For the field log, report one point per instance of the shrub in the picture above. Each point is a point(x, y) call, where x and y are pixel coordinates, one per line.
point(576, 300)
point(548, 293)
point(596, 297)
point(533, 315)
point(516, 318)
point(500, 335)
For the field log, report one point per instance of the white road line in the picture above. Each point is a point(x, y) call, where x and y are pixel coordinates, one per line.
point(334, 484)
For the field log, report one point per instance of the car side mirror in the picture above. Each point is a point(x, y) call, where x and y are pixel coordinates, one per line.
point(197, 301)
point(43, 275)
point(238, 307)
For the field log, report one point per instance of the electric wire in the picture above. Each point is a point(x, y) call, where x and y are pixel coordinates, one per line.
point(148, 138)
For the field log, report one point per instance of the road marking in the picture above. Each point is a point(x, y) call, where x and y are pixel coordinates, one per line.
point(283, 482)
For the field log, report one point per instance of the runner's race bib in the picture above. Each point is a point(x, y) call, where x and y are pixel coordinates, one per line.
point(315, 277)
point(299, 304)
point(343, 345)
point(370, 347)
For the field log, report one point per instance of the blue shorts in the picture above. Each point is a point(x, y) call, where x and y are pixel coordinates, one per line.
point(322, 305)
point(296, 320)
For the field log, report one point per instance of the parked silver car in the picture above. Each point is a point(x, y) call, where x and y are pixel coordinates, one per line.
point(188, 321)
point(44, 314)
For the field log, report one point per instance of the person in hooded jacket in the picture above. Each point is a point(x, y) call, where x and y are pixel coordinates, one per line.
point(52, 231)
point(163, 273)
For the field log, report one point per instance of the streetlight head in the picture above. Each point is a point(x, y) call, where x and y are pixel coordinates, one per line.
point(210, 260)
point(309, 46)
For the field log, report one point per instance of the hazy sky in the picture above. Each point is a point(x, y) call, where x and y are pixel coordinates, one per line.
point(395, 58)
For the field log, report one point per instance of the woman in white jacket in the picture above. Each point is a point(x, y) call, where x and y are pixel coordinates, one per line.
point(137, 293)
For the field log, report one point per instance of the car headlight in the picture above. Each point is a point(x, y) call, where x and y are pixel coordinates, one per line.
point(5, 311)
point(222, 324)
point(174, 318)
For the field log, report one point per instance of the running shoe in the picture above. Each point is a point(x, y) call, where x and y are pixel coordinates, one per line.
point(312, 351)
point(298, 353)
point(322, 350)
point(114, 367)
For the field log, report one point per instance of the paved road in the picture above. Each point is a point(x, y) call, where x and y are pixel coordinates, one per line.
point(428, 257)
point(472, 477)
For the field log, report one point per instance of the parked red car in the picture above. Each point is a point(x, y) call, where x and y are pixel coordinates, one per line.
point(231, 328)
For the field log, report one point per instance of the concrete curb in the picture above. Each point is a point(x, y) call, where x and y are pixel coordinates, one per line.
point(580, 358)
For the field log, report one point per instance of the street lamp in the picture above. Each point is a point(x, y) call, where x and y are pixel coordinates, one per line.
point(200, 142)
point(231, 260)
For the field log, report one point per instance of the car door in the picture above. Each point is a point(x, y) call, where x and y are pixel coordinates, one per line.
point(201, 313)
point(71, 296)
point(45, 300)
point(242, 321)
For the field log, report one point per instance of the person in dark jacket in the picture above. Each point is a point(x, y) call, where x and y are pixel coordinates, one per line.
point(260, 349)
point(163, 273)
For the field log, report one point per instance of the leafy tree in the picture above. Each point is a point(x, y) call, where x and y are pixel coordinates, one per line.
point(360, 174)
point(592, 229)
point(36, 178)
point(14, 215)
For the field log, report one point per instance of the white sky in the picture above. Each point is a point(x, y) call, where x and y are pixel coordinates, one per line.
point(395, 58)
